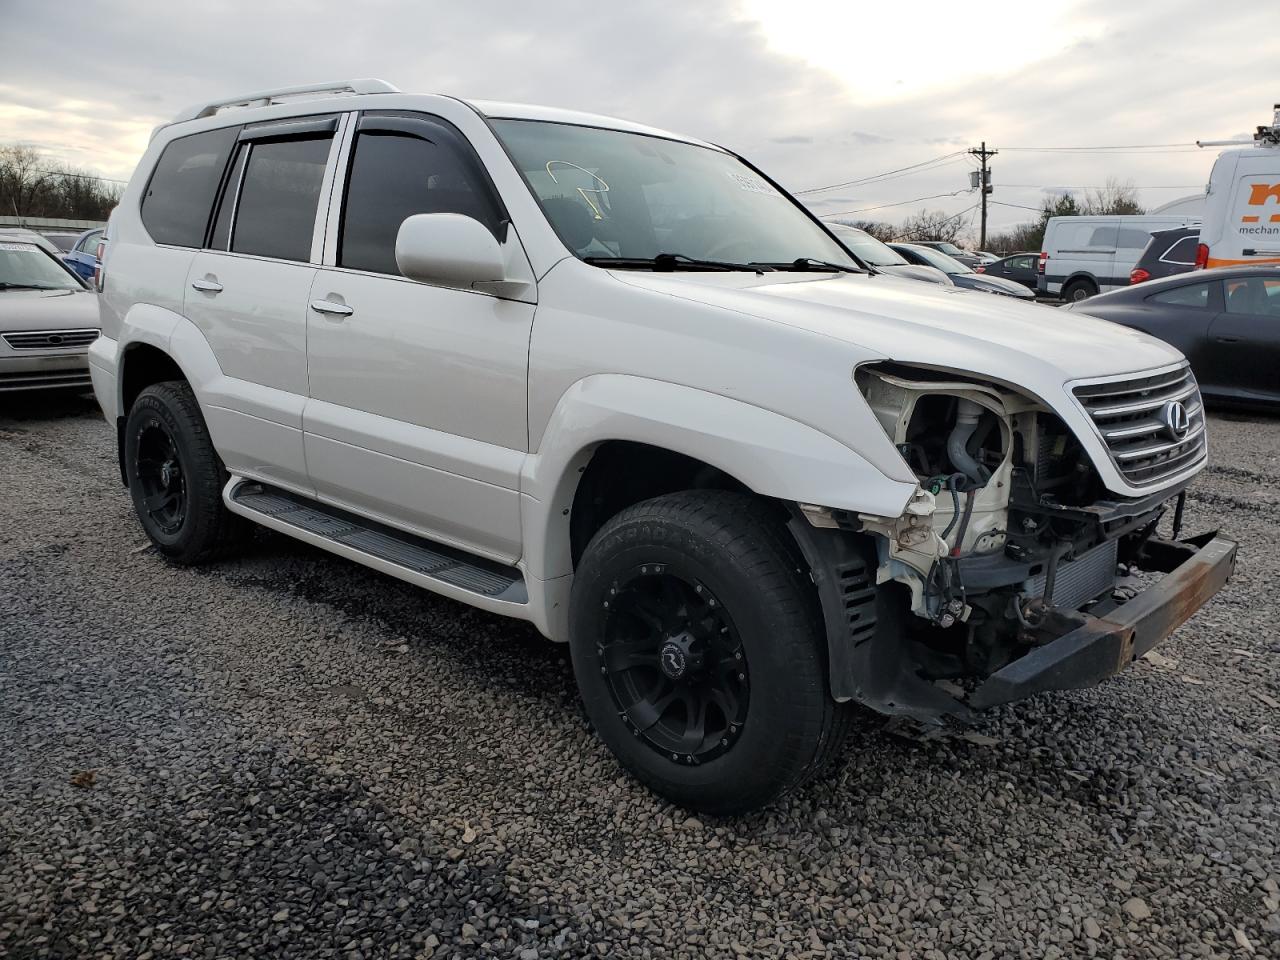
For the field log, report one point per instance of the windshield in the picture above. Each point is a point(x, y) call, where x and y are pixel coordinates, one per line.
point(26, 265)
point(950, 249)
point(936, 258)
point(611, 194)
point(867, 248)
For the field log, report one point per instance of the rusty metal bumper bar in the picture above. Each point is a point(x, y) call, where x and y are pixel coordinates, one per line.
point(1101, 646)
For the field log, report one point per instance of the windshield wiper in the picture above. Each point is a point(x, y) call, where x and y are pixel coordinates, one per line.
point(811, 263)
point(669, 262)
point(27, 286)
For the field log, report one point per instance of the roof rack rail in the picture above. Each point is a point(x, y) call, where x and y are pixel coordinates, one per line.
point(266, 98)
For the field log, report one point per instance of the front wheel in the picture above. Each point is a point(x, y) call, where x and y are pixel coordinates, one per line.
point(698, 647)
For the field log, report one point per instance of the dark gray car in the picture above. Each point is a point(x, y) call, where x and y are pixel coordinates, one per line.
point(961, 275)
point(1020, 268)
point(1167, 253)
point(1226, 321)
point(951, 250)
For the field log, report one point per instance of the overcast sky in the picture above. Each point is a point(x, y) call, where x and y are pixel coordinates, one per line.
point(814, 92)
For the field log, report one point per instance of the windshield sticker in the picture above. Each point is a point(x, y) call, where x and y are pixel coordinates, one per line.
point(600, 190)
point(752, 184)
point(24, 247)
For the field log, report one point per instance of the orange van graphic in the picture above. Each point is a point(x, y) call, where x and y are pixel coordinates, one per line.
point(1259, 194)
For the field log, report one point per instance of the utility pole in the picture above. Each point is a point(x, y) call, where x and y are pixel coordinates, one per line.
point(983, 154)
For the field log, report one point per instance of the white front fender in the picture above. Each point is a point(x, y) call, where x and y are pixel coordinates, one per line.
point(768, 453)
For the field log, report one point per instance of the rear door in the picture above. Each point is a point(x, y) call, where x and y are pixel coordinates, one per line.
point(1255, 216)
point(247, 292)
point(1181, 316)
point(1244, 339)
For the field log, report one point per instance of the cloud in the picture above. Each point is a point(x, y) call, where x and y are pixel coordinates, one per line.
point(709, 69)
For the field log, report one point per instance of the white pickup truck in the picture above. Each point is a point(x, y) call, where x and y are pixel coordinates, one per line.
point(616, 382)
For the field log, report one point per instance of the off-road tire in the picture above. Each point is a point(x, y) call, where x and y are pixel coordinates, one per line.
point(207, 530)
point(738, 546)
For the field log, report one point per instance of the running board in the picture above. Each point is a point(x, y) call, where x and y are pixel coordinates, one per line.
point(433, 565)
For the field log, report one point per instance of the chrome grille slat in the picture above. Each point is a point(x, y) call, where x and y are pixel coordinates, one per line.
point(1126, 413)
point(50, 339)
point(1138, 406)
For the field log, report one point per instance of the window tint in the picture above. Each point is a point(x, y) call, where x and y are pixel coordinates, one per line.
point(90, 243)
point(1254, 296)
point(394, 176)
point(1105, 237)
point(1021, 263)
point(175, 208)
point(1182, 252)
point(1132, 239)
point(276, 212)
point(1192, 295)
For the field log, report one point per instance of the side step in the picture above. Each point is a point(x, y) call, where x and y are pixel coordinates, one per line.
point(415, 558)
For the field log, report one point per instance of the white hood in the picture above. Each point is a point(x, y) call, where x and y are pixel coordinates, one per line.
point(1028, 345)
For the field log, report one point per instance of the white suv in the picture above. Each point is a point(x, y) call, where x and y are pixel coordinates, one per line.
point(616, 382)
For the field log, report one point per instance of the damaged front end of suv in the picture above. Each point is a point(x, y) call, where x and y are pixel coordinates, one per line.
point(1014, 569)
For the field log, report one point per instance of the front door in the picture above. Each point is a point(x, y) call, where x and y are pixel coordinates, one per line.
point(1244, 339)
point(418, 409)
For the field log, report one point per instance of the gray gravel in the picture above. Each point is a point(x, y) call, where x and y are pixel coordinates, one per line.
point(290, 756)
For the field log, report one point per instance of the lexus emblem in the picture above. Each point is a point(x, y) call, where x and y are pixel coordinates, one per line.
point(1175, 419)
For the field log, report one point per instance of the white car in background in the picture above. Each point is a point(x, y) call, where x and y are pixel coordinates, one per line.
point(883, 258)
point(48, 317)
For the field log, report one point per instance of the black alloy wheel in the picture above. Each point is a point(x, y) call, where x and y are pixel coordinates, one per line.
point(675, 664)
point(160, 476)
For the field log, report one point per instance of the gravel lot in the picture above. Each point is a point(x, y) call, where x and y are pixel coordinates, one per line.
point(290, 756)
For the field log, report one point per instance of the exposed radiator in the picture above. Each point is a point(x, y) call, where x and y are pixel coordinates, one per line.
point(1082, 579)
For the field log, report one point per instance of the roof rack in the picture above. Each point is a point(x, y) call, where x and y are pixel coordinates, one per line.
point(266, 98)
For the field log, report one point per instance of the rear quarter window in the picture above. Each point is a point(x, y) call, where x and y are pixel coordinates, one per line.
point(1192, 295)
point(180, 194)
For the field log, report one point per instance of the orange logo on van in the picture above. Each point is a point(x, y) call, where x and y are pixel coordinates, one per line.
point(1259, 194)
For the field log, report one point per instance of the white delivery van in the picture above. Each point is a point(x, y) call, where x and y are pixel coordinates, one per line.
point(1242, 209)
point(1082, 256)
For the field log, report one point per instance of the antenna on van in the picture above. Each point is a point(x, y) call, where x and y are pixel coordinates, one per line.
point(1265, 135)
point(1270, 134)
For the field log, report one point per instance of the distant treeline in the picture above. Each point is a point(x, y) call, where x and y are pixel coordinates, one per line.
point(32, 185)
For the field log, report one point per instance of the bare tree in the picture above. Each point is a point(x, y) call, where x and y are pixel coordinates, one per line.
point(933, 225)
point(32, 186)
point(877, 229)
point(1116, 198)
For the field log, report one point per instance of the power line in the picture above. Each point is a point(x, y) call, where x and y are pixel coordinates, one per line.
point(1123, 146)
point(1076, 186)
point(900, 203)
point(85, 176)
point(881, 176)
point(1020, 206)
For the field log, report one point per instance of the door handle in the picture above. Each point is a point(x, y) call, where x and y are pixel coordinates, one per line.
point(329, 307)
point(1228, 339)
point(205, 285)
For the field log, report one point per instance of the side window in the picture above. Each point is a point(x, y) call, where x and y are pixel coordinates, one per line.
point(179, 197)
point(1131, 239)
point(1073, 236)
point(275, 214)
point(90, 243)
point(1021, 263)
point(1253, 296)
point(1192, 295)
point(396, 174)
point(1104, 237)
point(1183, 252)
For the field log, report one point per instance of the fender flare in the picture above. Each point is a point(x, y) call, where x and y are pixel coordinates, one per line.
point(772, 455)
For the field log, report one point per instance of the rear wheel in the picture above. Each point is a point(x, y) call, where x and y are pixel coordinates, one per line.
point(176, 477)
point(1080, 289)
point(698, 647)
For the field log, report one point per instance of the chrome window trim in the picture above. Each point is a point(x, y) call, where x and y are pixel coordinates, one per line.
point(344, 138)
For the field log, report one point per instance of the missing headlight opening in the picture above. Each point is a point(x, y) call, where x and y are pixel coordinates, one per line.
point(1010, 525)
